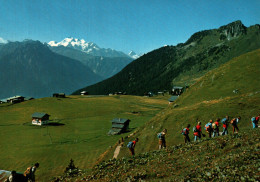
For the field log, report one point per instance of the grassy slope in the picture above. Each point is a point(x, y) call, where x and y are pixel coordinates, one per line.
point(211, 97)
point(225, 158)
point(83, 137)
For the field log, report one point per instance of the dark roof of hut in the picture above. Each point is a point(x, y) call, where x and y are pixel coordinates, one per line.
point(39, 115)
point(120, 120)
point(173, 98)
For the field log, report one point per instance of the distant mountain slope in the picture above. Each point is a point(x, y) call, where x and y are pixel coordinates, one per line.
point(101, 65)
point(30, 68)
point(182, 64)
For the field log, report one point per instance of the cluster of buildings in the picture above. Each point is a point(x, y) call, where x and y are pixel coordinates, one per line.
point(15, 99)
point(119, 125)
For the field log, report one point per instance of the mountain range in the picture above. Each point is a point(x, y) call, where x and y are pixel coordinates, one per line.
point(103, 62)
point(30, 68)
point(183, 64)
point(39, 69)
point(91, 48)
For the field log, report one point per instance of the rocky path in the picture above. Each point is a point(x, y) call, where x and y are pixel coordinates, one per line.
point(117, 151)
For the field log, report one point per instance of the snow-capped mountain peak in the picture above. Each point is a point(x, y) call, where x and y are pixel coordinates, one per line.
point(75, 43)
point(87, 47)
point(133, 55)
point(3, 41)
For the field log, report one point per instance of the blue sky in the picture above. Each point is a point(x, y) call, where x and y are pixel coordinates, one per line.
point(139, 25)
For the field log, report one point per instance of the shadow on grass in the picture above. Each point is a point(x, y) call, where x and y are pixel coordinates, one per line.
point(55, 124)
point(49, 124)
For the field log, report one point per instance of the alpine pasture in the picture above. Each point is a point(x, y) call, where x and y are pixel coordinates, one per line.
point(78, 130)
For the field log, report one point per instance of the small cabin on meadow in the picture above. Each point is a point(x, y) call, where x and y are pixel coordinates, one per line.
point(39, 118)
point(177, 90)
point(119, 125)
point(15, 99)
point(84, 93)
point(148, 94)
point(59, 95)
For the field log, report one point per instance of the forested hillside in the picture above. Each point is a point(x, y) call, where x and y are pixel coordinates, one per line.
point(182, 64)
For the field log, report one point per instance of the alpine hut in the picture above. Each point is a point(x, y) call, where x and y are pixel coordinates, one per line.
point(39, 118)
point(119, 125)
point(177, 90)
point(59, 95)
point(15, 99)
point(84, 93)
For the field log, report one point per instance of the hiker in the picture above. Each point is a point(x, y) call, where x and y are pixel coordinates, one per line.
point(185, 132)
point(225, 125)
point(12, 177)
point(208, 127)
point(161, 136)
point(234, 122)
point(255, 121)
point(197, 132)
point(131, 146)
point(215, 127)
point(30, 172)
point(16, 177)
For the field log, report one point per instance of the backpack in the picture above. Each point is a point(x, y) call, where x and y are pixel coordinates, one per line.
point(208, 126)
point(224, 120)
point(233, 121)
point(184, 131)
point(214, 126)
point(195, 129)
point(253, 119)
point(130, 144)
point(28, 171)
point(159, 135)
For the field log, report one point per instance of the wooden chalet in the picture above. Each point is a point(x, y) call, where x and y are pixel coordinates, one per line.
point(15, 99)
point(59, 95)
point(119, 125)
point(177, 90)
point(84, 93)
point(39, 118)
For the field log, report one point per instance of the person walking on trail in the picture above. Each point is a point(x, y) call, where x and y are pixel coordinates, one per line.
point(208, 128)
point(16, 177)
point(131, 145)
point(162, 141)
point(30, 172)
point(197, 132)
point(215, 127)
point(255, 121)
point(225, 125)
point(234, 123)
point(185, 133)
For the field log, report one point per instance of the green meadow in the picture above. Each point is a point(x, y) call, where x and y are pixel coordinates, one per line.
point(79, 130)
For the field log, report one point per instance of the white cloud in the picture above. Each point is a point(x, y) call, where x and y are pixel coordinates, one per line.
point(3, 40)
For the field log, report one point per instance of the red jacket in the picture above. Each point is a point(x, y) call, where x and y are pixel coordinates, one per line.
point(198, 132)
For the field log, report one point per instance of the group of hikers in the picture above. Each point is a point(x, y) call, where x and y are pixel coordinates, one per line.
point(27, 176)
point(211, 128)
